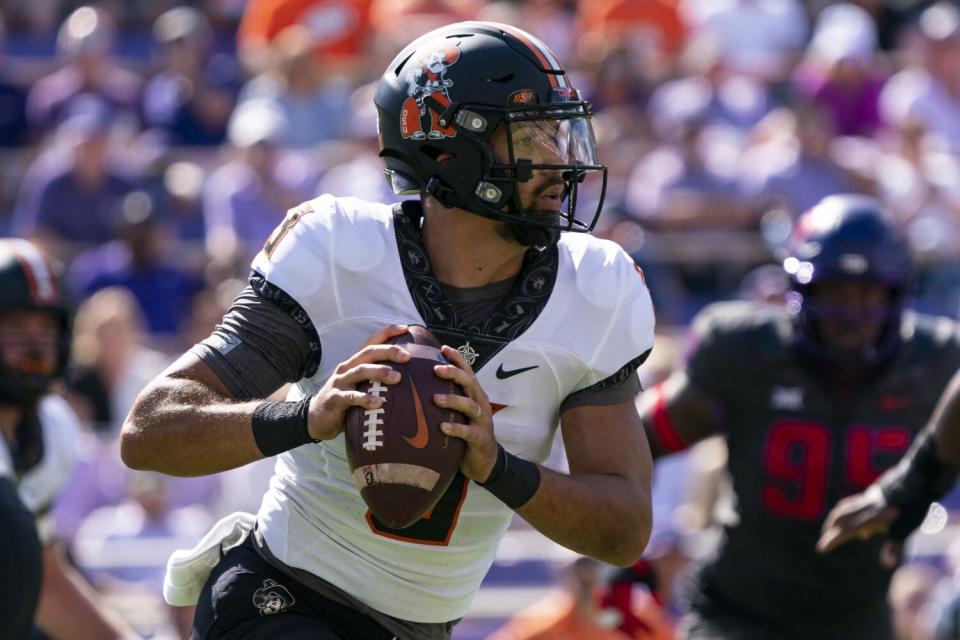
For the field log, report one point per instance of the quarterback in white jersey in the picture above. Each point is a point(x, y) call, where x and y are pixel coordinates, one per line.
point(38, 449)
point(542, 329)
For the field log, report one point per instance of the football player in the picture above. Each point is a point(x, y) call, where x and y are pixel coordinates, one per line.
point(815, 399)
point(39, 431)
point(545, 325)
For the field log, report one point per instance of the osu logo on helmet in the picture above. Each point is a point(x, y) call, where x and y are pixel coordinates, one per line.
point(427, 86)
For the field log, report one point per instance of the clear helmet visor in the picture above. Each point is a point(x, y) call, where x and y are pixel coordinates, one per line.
point(568, 142)
point(552, 163)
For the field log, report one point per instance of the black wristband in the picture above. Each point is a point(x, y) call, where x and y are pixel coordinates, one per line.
point(281, 426)
point(919, 479)
point(512, 480)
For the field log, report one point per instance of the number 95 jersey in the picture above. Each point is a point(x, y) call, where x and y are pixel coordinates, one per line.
point(797, 443)
point(578, 314)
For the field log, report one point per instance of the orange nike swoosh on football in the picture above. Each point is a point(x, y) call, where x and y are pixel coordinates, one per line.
point(422, 436)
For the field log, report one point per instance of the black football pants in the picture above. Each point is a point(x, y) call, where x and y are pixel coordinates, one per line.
point(247, 598)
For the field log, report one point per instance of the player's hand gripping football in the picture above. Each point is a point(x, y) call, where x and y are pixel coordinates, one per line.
point(328, 408)
point(860, 517)
point(481, 453)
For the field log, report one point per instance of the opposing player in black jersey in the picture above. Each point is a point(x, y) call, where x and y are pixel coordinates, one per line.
point(815, 399)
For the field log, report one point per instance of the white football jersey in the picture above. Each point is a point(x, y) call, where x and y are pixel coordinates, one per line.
point(578, 313)
point(39, 486)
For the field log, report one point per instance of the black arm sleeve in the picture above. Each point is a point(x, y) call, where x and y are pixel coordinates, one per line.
point(920, 478)
point(265, 340)
point(621, 386)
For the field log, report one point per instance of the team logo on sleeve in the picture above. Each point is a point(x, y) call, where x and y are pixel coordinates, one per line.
point(787, 398)
point(428, 91)
point(272, 598)
point(292, 218)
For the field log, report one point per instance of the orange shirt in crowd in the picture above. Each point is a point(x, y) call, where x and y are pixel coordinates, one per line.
point(621, 19)
point(555, 618)
point(642, 617)
point(340, 27)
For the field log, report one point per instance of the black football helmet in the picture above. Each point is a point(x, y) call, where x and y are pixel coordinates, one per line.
point(450, 90)
point(29, 281)
point(848, 237)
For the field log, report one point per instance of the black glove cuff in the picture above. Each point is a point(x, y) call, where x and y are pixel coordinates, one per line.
point(919, 479)
point(281, 426)
point(513, 480)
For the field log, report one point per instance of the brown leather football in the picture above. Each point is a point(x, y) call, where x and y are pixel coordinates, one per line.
point(401, 461)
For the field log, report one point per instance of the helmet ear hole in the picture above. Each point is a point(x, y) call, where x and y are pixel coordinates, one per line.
point(436, 154)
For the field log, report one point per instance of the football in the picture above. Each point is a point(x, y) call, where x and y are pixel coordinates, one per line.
point(401, 461)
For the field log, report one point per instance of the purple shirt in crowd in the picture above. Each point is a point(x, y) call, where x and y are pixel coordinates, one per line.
point(234, 198)
point(59, 204)
point(854, 109)
point(50, 98)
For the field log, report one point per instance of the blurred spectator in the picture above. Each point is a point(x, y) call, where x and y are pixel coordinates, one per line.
point(245, 199)
point(920, 181)
point(190, 99)
point(943, 610)
point(839, 72)
point(570, 611)
point(759, 38)
point(710, 91)
point(313, 99)
point(651, 30)
point(619, 81)
point(890, 18)
point(632, 595)
point(97, 478)
point(793, 166)
point(110, 363)
point(338, 28)
point(140, 261)
point(930, 91)
point(122, 547)
point(680, 185)
point(552, 21)
point(84, 42)
point(395, 22)
point(13, 99)
point(106, 539)
point(910, 591)
point(360, 170)
point(179, 194)
point(73, 199)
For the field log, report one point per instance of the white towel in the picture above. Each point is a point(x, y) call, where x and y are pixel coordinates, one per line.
point(188, 569)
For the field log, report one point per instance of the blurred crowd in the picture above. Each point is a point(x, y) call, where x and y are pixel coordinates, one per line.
point(153, 146)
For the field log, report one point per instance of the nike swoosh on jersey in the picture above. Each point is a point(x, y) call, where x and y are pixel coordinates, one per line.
point(503, 374)
point(422, 436)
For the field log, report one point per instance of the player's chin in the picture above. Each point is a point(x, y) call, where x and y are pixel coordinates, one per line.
point(531, 235)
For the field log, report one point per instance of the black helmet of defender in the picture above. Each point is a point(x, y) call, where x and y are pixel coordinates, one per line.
point(446, 94)
point(29, 281)
point(848, 238)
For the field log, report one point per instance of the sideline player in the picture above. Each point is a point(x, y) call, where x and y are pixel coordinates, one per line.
point(39, 431)
point(815, 400)
point(545, 328)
